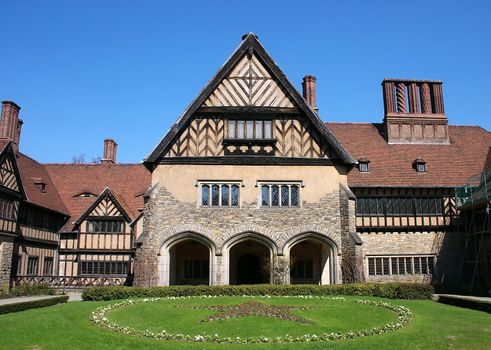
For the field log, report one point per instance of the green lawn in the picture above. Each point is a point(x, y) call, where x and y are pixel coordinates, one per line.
point(67, 326)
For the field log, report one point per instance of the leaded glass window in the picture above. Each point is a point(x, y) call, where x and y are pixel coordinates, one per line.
point(399, 206)
point(405, 265)
point(205, 195)
point(215, 195)
point(250, 129)
point(219, 195)
point(280, 195)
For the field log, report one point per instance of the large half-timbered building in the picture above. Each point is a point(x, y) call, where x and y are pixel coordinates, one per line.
point(250, 186)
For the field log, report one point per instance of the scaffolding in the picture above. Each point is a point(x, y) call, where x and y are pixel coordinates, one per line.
point(474, 204)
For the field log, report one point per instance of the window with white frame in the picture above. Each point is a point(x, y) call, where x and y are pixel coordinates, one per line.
point(281, 194)
point(219, 194)
point(400, 265)
point(251, 129)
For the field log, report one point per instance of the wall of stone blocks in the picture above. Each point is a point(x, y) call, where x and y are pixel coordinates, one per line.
point(6, 252)
point(167, 218)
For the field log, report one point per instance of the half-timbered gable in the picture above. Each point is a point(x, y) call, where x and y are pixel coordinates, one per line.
point(105, 203)
point(11, 190)
point(248, 113)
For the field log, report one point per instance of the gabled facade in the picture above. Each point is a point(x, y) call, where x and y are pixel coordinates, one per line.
point(251, 186)
point(248, 178)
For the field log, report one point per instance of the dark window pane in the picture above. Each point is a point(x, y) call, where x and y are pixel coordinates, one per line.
point(409, 266)
point(235, 196)
point(265, 195)
point(225, 193)
point(371, 266)
point(430, 265)
point(378, 266)
point(424, 266)
point(401, 266)
point(386, 266)
point(394, 266)
point(294, 196)
point(380, 206)
point(285, 196)
point(205, 195)
point(215, 195)
point(275, 196)
point(417, 267)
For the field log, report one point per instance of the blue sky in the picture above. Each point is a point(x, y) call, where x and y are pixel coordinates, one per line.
point(86, 70)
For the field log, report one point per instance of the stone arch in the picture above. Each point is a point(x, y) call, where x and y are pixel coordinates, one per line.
point(250, 227)
point(252, 235)
point(323, 231)
point(250, 243)
point(167, 256)
point(178, 231)
point(328, 257)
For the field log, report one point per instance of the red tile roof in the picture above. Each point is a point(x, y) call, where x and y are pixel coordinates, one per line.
point(392, 165)
point(127, 181)
point(32, 172)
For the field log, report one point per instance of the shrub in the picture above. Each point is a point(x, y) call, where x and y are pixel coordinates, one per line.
point(26, 305)
point(383, 290)
point(32, 289)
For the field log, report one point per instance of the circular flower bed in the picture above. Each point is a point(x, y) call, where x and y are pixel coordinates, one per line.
point(404, 316)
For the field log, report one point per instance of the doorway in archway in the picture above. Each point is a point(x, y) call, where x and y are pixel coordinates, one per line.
point(249, 261)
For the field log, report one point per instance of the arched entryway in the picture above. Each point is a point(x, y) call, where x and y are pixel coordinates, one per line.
point(186, 260)
point(249, 262)
point(313, 260)
point(189, 263)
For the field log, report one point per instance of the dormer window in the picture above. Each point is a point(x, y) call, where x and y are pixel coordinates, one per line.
point(85, 195)
point(39, 183)
point(419, 165)
point(250, 129)
point(363, 165)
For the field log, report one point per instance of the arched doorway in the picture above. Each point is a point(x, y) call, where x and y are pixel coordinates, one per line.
point(249, 269)
point(249, 263)
point(312, 259)
point(189, 263)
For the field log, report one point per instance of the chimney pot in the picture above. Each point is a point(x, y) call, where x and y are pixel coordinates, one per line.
point(309, 90)
point(110, 148)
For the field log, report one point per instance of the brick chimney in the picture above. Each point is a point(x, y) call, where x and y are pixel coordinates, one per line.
point(110, 148)
point(413, 112)
point(10, 124)
point(308, 87)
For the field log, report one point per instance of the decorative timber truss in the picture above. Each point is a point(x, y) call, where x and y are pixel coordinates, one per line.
point(250, 86)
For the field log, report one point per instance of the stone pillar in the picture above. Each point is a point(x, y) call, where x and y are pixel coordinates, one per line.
point(6, 254)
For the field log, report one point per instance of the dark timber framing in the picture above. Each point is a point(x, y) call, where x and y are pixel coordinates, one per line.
point(249, 45)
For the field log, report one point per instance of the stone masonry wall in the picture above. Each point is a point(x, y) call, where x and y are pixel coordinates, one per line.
point(6, 251)
point(166, 217)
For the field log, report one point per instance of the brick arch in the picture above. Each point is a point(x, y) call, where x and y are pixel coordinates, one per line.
point(193, 231)
point(322, 231)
